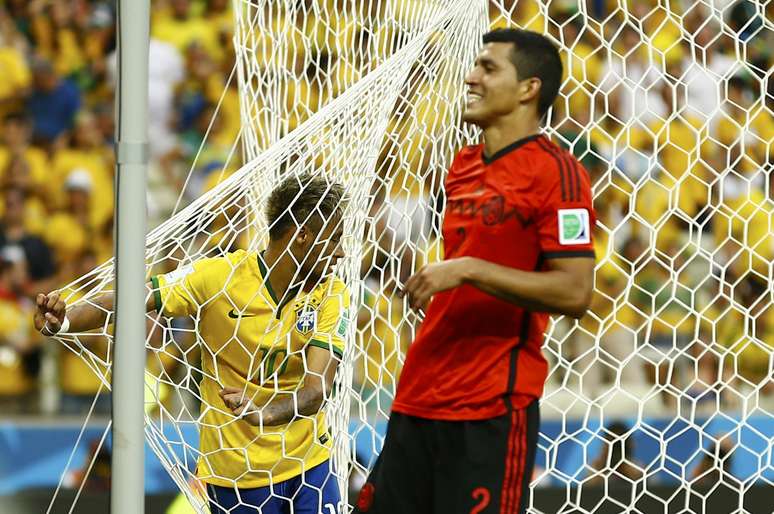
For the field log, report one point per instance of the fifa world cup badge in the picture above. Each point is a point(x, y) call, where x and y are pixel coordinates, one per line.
point(306, 319)
point(574, 226)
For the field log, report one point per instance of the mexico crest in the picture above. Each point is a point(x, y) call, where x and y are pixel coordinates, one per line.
point(306, 319)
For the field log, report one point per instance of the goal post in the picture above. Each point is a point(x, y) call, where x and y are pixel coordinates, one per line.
point(128, 462)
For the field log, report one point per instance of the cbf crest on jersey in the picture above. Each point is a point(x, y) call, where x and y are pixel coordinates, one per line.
point(306, 319)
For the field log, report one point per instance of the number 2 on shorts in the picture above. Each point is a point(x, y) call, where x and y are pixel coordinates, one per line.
point(482, 495)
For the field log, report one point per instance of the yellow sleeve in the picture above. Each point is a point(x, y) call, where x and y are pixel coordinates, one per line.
point(333, 320)
point(183, 291)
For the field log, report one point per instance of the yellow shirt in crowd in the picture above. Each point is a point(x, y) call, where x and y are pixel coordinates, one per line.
point(758, 137)
point(100, 170)
point(14, 70)
point(182, 33)
point(748, 341)
point(37, 161)
point(14, 324)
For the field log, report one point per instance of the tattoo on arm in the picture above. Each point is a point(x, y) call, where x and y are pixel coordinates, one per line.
point(305, 402)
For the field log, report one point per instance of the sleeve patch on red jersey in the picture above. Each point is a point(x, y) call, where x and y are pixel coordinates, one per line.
point(574, 226)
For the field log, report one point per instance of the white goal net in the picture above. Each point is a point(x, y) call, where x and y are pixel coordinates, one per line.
point(666, 382)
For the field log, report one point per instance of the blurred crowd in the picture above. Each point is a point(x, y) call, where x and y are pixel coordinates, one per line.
point(58, 74)
point(669, 110)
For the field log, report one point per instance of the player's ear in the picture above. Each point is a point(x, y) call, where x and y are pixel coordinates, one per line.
point(302, 235)
point(529, 89)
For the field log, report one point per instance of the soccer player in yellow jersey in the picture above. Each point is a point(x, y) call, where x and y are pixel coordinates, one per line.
point(272, 327)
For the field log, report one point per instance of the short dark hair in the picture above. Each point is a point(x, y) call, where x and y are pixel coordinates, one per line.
point(16, 117)
point(533, 55)
point(299, 197)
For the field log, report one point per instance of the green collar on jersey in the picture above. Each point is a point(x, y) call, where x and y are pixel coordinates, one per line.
point(290, 294)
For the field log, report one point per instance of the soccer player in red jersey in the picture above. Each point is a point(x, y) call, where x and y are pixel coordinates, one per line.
point(463, 430)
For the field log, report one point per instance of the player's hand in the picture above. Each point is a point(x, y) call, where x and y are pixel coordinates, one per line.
point(49, 313)
point(240, 405)
point(432, 279)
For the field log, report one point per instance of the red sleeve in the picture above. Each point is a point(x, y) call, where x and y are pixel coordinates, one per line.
point(566, 214)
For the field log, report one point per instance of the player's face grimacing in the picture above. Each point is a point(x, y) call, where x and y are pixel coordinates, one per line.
point(492, 86)
point(324, 252)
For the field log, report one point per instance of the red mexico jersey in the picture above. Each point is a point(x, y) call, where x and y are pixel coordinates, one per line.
point(528, 203)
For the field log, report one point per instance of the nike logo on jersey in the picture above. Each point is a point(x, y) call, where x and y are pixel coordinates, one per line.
point(234, 315)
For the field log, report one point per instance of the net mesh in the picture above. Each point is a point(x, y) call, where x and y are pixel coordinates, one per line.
point(668, 378)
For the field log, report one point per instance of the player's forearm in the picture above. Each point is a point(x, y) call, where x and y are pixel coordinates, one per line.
point(96, 312)
point(305, 402)
point(91, 313)
point(553, 291)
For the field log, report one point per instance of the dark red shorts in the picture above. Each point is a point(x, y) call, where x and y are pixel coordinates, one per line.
point(454, 467)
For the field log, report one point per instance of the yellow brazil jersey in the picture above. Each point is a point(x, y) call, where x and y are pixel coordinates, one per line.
point(250, 341)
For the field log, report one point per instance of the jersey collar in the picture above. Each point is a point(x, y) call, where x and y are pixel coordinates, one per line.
point(290, 294)
point(508, 149)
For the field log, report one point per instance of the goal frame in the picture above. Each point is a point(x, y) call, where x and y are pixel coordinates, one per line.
point(127, 486)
